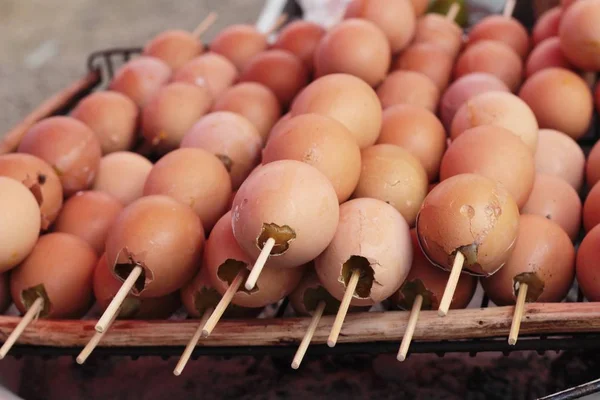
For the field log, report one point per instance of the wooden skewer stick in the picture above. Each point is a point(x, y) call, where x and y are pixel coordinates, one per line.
point(115, 304)
point(259, 264)
point(187, 353)
point(318, 313)
point(518, 315)
point(452, 12)
point(343, 310)
point(509, 7)
point(205, 24)
point(410, 328)
point(91, 345)
point(278, 24)
point(459, 260)
point(223, 303)
point(31, 314)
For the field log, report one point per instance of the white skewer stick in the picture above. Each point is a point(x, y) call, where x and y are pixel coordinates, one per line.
point(91, 345)
point(459, 260)
point(223, 303)
point(343, 310)
point(509, 7)
point(205, 24)
point(278, 24)
point(187, 353)
point(452, 12)
point(318, 313)
point(259, 264)
point(410, 327)
point(115, 304)
point(32, 313)
point(518, 315)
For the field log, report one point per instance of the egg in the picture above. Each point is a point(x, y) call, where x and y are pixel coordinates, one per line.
point(547, 54)
point(210, 70)
point(579, 34)
point(500, 109)
point(140, 79)
point(502, 29)
point(69, 146)
point(281, 122)
point(382, 252)
point(437, 29)
point(291, 202)
point(558, 154)
point(546, 25)
point(470, 214)
point(163, 237)
point(346, 99)
point(5, 299)
point(465, 88)
point(20, 222)
point(418, 131)
point(592, 167)
point(587, 270)
point(308, 293)
point(301, 38)
point(545, 92)
point(253, 101)
point(194, 177)
point(391, 174)
point(420, 7)
point(409, 87)
point(112, 116)
point(494, 58)
point(172, 112)
point(60, 269)
point(239, 43)
point(337, 51)
point(230, 137)
point(174, 47)
point(122, 175)
point(591, 209)
point(556, 200)
point(418, 58)
point(40, 178)
point(89, 215)
point(396, 18)
point(322, 142)
point(565, 4)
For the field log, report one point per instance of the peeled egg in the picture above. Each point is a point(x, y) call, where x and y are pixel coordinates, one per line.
point(418, 58)
point(579, 34)
point(174, 47)
point(409, 87)
point(546, 25)
point(591, 209)
point(140, 78)
point(588, 273)
point(239, 43)
point(300, 38)
point(558, 154)
point(5, 299)
point(122, 175)
point(437, 29)
point(502, 29)
point(547, 54)
point(211, 71)
point(592, 168)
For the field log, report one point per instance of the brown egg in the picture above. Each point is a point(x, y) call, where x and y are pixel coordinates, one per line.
point(501, 109)
point(547, 54)
point(430, 282)
point(465, 88)
point(591, 209)
point(588, 273)
point(89, 215)
point(20, 222)
point(230, 137)
point(420, 7)
point(112, 116)
point(195, 178)
point(471, 214)
point(494, 58)
point(280, 71)
point(543, 258)
point(418, 58)
point(5, 299)
point(391, 174)
point(337, 51)
point(122, 175)
point(502, 29)
point(160, 235)
point(545, 92)
point(558, 154)
point(40, 178)
point(239, 43)
point(322, 142)
point(141, 78)
point(301, 38)
point(437, 29)
point(309, 293)
point(255, 102)
point(417, 130)
point(409, 87)
point(565, 4)
point(346, 99)
point(396, 18)
point(592, 167)
point(69, 146)
point(547, 25)
point(495, 153)
point(281, 122)
point(211, 71)
point(106, 287)
point(597, 97)
point(174, 47)
point(224, 259)
point(380, 251)
point(60, 269)
point(172, 112)
point(555, 199)
point(579, 34)
point(291, 202)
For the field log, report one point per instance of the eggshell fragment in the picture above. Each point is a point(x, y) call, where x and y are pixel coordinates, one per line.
point(211, 71)
point(547, 54)
point(140, 78)
point(418, 58)
point(122, 175)
point(588, 273)
point(502, 29)
point(174, 47)
point(300, 38)
point(409, 87)
point(591, 209)
point(239, 43)
point(558, 154)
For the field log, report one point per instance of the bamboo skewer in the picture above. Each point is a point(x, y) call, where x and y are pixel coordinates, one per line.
point(410, 328)
point(343, 310)
point(29, 316)
point(224, 303)
point(282, 19)
point(452, 12)
point(259, 264)
point(91, 345)
point(310, 332)
point(457, 266)
point(115, 304)
point(518, 315)
point(187, 353)
point(205, 24)
point(509, 8)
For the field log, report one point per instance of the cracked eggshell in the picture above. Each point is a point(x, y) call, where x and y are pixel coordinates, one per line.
point(473, 214)
point(291, 193)
point(174, 47)
point(543, 257)
point(374, 230)
point(210, 70)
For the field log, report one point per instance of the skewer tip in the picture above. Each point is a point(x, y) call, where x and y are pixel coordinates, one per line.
point(331, 343)
point(205, 333)
point(512, 341)
point(401, 357)
point(442, 313)
point(80, 360)
point(176, 372)
point(295, 365)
